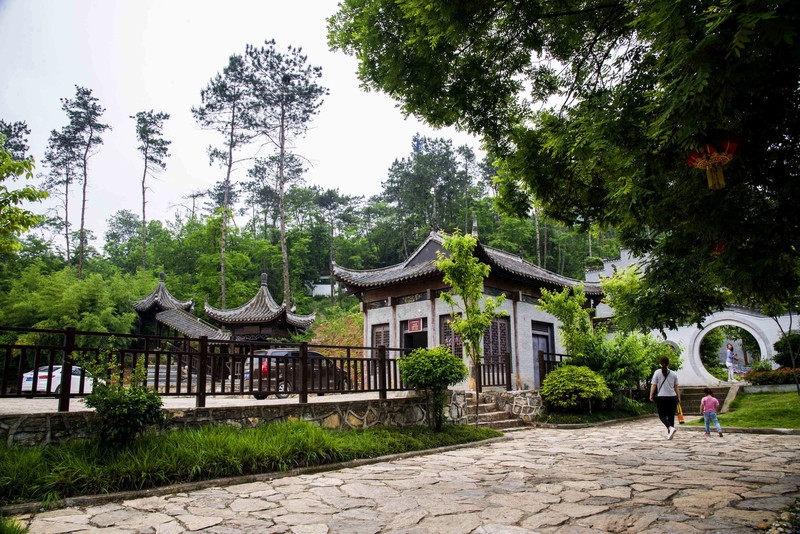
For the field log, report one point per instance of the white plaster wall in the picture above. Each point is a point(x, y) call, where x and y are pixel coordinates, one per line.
point(764, 330)
point(520, 330)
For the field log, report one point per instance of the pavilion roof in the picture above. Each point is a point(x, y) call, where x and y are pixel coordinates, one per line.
point(262, 308)
point(191, 326)
point(161, 298)
point(421, 265)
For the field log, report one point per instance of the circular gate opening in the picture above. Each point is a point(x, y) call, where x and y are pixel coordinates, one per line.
point(714, 347)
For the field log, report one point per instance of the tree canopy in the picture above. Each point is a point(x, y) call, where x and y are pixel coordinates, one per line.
point(592, 108)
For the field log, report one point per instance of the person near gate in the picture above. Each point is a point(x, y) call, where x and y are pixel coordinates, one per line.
point(664, 391)
point(708, 407)
point(730, 358)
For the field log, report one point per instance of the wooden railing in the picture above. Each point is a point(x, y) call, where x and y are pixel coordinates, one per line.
point(494, 371)
point(548, 362)
point(199, 367)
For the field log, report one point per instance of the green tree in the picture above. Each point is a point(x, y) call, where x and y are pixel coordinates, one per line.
point(472, 314)
point(62, 157)
point(155, 151)
point(226, 109)
point(15, 220)
point(637, 86)
point(15, 134)
point(287, 96)
point(709, 353)
point(85, 128)
point(433, 371)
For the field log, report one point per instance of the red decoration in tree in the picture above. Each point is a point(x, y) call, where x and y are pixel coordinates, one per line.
point(712, 160)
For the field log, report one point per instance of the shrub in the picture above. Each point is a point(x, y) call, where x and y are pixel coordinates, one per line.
point(122, 411)
point(569, 385)
point(433, 371)
point(782, 355)
point(761, 365)
point(779, 376)
point(7, 526)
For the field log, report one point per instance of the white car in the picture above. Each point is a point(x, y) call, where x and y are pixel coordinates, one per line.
point(55, 382)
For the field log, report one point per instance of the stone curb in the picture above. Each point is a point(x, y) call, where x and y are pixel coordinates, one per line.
point(747, 430)
point(90, 500)
point(570, 426)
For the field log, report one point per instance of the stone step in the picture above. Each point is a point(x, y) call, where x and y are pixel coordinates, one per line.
point(504, 424)
point(482, 408)
point(489, 416)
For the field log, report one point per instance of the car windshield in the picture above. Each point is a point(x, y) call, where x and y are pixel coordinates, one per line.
point(47, 368)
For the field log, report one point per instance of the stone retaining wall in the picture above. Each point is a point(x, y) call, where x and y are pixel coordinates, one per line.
point(53, 428)
point(526, 404)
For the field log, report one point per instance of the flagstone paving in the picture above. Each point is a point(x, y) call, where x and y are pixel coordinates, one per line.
point(621, 478)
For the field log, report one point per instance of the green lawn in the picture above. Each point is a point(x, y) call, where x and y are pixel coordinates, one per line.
point(761, 410)
point(87, 468)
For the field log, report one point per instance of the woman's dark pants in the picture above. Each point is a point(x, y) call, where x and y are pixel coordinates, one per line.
point(666, 410)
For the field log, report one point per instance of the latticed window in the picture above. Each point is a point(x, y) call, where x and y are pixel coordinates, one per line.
point(496, 340)
point(450, 339)
point(380, 335)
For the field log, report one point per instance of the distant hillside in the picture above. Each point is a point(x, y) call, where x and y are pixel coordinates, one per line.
point(346, 330)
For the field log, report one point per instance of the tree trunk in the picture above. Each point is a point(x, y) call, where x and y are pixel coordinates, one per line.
point(66, 213)
point(544, 252)
point(590, 244)
point(223, 243)
point(144, 218)
point(83, 203)
point(284, 253)
point(330, 276)
point(403, 231)
point(538, 241)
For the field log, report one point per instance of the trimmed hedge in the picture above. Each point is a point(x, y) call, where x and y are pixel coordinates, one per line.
point(779, 376)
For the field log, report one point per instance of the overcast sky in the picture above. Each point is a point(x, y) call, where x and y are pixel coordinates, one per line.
point(159, 54)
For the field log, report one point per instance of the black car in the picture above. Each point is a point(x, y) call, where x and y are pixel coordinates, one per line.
point(278, 370)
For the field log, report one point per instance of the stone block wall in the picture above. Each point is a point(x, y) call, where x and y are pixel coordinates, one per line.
point(53, 428)
point(526, 405)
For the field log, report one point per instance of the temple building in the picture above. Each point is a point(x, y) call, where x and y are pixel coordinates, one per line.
point(261, 318)
point(402, 307)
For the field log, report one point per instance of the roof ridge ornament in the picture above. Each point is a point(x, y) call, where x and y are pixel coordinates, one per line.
point(263, 279)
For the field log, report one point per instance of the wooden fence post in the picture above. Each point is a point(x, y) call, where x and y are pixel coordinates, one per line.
point(66, 369)
point(202, 370)
point(382, 372)
point(508, 371)
point(304, 374)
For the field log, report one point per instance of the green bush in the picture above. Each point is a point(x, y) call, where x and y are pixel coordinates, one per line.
point(122, 411)
point(782, 355)
point(569, 386)
point(779, 376)
point(761, 365)
point(433, 371)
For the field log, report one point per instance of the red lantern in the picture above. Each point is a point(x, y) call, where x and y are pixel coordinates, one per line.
point(712, 160)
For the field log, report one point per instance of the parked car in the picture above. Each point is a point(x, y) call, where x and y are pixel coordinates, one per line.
point(55, 380)
point(279, 371)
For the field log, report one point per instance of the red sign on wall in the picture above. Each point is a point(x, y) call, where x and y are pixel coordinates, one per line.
point(415, 325)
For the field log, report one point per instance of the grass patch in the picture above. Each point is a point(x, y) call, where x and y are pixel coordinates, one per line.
point(623, 409)
point(86, 468)
point(8, 526)
point(764, 410)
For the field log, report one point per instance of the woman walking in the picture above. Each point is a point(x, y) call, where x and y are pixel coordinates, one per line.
point(664, 391)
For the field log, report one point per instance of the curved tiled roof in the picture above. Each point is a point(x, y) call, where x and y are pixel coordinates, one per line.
point(191, 326)
point(498, 260)
point(262, 308)
point(161, 298)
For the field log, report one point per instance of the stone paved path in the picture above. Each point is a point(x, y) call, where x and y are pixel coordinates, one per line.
point(623, 478)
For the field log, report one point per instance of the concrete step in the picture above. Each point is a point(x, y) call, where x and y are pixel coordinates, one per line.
point(691, 396)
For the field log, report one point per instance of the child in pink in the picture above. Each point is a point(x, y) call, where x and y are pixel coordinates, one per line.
point(709, 406)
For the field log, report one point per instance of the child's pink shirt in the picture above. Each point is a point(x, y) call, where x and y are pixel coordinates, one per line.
point(709, 404)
